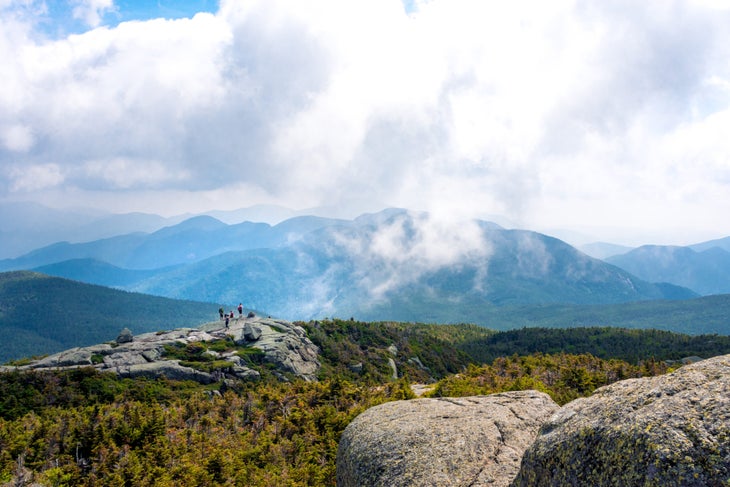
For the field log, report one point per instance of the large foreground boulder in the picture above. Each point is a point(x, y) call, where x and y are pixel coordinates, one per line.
point(468, 441)
point(669, 430)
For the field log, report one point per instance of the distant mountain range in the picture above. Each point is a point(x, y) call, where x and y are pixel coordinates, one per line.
point(394, 264)
point(722, 243)
point(192, 240)
point(25, 226)
point(704, 268)
point(390, 265)
point(603, 250)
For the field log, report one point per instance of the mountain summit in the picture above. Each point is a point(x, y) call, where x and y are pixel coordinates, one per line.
point(395, 264)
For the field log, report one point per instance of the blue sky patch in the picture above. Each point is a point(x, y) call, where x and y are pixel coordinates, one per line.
point(59, 20)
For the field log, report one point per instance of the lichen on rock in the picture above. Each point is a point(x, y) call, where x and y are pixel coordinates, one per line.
point(669, 430)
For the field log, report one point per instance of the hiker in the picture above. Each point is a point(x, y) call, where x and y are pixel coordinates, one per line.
point(226, 322)
point(231, 314)
point(220, 312)
point(240, 310)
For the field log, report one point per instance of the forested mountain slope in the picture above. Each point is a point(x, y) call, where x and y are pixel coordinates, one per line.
point(40, 314)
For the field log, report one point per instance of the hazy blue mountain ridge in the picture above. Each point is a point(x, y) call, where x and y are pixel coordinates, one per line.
point(189, 241)
point(28, 226)
point(393, 264)
point(339, 270)
point(723, 243)
point(705, 271)
point(603, 250)
point(94, 271)
point(112, 250)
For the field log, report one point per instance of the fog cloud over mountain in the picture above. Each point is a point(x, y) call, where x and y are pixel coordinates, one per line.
point(560, 114)
point(402, 249)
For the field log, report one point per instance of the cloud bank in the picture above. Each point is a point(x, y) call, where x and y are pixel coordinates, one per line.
point(554, 114)
point(403, 249)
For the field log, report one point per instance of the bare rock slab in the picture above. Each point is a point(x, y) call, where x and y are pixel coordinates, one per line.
point(468, 441)
point(671, 430)
point(283, 344)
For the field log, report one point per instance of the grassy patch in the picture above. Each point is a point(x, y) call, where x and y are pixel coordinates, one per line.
point(251, 356)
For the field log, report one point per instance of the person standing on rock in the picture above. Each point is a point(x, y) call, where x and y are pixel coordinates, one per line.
point(220, 312)
point(226, 322)
point(240, 310)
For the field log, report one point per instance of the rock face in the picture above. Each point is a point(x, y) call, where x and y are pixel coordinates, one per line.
point(288, 347)
point(282, 343)
point(125, 336)
point(251, 332)
point(468, 441)
point(669, 430)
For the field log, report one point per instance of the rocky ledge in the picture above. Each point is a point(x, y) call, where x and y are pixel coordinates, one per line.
point(671, 430)
point(275, 341)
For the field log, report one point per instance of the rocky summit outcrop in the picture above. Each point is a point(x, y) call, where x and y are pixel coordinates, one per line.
point(280, 343)
point(468, 441)
point(671, 430)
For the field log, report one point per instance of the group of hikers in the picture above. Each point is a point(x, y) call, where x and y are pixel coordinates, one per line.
point(228, 317)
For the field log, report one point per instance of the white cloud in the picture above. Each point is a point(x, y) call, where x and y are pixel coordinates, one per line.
point(17, 138)
point(91, 11)
point(402, 250)
point(124, 173)
point(551, 113)
point(35, 177)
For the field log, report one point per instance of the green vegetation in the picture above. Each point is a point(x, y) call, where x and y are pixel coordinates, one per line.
point(344, 344)
point(43, 315)
point(85, 428)
point(630, 345)
point(264, 434)
point(704, 315)
point(447, 349)
point(564, 377)
point(203, 355)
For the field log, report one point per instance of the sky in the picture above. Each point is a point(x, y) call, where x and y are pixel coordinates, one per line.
point(608, 119)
